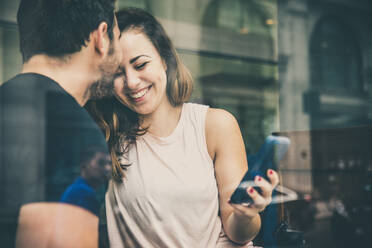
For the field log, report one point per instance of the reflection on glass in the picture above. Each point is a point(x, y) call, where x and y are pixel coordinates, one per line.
point(324, 68)
point(95, 171)
point(10, 58)
point(321, 101)
point(45, 145)
point(335, 56)
point(143, 4)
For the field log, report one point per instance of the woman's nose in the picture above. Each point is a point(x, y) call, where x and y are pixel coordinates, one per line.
point(131, 80)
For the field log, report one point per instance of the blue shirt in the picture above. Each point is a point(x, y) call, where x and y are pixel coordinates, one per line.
point(81, 194)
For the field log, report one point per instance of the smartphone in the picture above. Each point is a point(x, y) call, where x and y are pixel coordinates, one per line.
point(268, 157)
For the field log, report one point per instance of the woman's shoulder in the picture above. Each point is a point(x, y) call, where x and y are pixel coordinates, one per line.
point(219, 118)
point(195, 106)
point(195, 112)
point(216, 119)
point(219, 126)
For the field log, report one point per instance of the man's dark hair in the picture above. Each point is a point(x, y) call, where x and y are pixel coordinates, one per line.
point(60, 27)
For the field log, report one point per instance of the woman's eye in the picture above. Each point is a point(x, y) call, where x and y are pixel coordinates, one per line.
point(141, 66)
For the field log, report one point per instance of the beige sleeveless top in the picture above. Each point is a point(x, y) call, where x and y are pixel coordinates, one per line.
point(169, 197)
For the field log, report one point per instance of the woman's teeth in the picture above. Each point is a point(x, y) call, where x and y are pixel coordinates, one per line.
point(139, 94)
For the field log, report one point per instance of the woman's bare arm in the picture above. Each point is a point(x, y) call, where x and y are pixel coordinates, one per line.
point(226, 148)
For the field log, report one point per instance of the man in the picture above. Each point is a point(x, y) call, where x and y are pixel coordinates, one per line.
point(71, 53)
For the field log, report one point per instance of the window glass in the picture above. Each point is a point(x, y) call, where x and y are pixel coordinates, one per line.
point(10, 58)
point(325, 110)
point(295, 69)
point(143, 4)
point(335, 57)
point(247, 89)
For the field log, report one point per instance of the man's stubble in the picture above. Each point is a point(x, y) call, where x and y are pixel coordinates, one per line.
point(108, 68)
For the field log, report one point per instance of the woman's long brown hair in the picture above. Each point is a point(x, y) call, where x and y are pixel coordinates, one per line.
point(120, 124)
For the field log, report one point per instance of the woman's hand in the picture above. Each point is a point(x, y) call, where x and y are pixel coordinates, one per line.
point(260, 201)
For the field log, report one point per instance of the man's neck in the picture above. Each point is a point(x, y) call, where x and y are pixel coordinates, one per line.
point(73, 74)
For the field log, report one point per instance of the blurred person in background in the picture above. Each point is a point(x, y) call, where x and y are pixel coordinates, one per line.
point(95, 171)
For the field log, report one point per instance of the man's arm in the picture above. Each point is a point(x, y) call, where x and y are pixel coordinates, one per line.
point(56, 225)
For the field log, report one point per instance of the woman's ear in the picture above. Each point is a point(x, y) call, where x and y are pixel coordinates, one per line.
point(164, 65)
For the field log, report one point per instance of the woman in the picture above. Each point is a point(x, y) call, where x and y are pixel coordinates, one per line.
point(176, 164)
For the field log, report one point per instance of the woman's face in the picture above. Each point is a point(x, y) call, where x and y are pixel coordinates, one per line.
point(143, 87)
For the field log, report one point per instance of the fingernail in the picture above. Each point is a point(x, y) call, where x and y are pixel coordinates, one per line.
point(259, 178)
point(271, 172)
point(251, 190)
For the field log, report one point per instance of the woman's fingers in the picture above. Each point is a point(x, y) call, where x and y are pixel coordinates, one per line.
point(273, 176)
point(259, 204)
point(265, 186)
point(259, 201)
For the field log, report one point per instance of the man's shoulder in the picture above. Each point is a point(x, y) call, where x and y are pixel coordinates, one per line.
point(26, 78)
point(26, 86)
point(12, 83)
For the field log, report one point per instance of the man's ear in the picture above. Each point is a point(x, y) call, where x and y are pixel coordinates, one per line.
point(101, 40)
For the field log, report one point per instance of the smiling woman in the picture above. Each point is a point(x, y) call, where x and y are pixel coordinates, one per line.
point(144, 71)
point(176, 164)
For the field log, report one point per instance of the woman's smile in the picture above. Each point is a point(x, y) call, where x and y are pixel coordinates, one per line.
point(139, 95)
